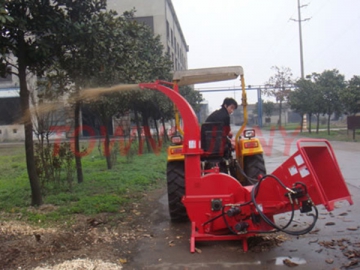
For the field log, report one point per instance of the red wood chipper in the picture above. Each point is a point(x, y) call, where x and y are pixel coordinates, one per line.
point(230, 197)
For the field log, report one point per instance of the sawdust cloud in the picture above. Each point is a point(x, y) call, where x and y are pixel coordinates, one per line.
point(86, 95)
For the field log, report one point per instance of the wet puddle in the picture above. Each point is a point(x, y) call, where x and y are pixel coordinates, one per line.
point(288, 261)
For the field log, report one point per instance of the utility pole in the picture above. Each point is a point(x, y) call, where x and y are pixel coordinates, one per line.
point(300, 40)
point(300, 37)
point(304, 126)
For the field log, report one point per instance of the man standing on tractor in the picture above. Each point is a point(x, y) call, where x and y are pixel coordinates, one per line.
point(223, 115)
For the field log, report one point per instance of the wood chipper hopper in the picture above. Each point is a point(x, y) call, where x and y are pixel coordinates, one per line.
point(219, 206)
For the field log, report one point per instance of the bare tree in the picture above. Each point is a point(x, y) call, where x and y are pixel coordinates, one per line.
point(45, 117)
point(279, 86)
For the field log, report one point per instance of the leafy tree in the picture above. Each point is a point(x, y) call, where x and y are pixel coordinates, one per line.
point(148, 64)
point(193, 97)
point(306, 99)
point(330, 83)
point(279, 86)
point(317, 99)
point(350, 96)
point(105, 108)
point(297, 104)
point(137, 57)
point(110, 59)
point(84, 38)
point(4, 15)
point(29, 35)
point(268, 108)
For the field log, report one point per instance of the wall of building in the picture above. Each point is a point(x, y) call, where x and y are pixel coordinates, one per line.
point(176, 44)
point(161, 17)
point(10, 108)
point(10, 104)
point(12, 133)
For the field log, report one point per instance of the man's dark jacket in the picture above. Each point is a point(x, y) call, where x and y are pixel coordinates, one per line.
point(220, 116)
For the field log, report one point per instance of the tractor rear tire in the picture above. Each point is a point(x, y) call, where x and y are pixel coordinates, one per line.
point(176, 190)
point(254, 166)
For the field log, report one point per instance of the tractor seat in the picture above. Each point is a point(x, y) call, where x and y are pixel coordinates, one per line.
point(213, 139)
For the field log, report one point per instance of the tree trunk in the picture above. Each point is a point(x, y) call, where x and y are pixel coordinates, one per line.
point(166, 139)
point(157, 132)
point(317, 123)
point(158, 144)
point(138, 128)
point(107, 145)
point(36, 197)
point(147, 133)
point(79, 171)
point(280, 111)
point(301, 122)
point(310, 115)
point(328, 123)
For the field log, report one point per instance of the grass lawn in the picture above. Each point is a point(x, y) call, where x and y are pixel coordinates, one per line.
point(338, 131)
point(335, 135)
point(103, 190)
point(296, 126)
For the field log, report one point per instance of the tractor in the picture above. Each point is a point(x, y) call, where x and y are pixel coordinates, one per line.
point(246, 156)
point(226, 194)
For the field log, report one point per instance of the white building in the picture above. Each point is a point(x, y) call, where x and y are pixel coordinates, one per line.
point(161, 17)
point(10, 128)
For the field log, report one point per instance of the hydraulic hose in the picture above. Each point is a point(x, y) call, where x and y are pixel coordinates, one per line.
point(254, 192)
point(212, 219)
point(226, 222)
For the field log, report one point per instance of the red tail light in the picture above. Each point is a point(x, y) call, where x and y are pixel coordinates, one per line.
point(176, 150)
point(251, 144)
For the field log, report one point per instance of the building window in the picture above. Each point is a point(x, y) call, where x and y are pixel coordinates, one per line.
point(172, 38)
point(14, 130)
point(167, 29)
point(148, 21)
point(0, 131)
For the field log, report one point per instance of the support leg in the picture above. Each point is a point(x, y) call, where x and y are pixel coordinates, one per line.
point(245, 245)
point(192, 239)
